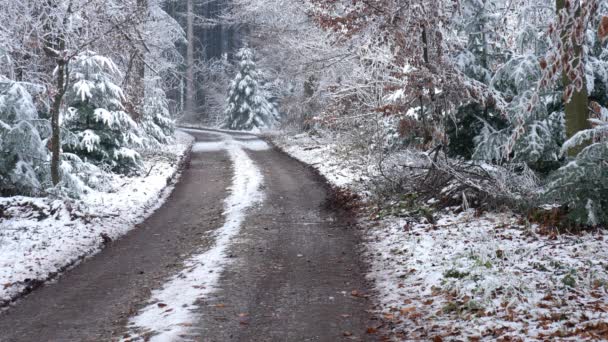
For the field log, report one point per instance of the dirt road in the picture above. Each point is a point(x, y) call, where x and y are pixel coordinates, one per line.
point(292, 273)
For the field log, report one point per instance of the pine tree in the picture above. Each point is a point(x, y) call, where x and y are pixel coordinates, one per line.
point(582, 184)
point(249, 107)
point(536, 120)
point(24, 157)
point(156, 121)
point(100, 130)
point(478, 25)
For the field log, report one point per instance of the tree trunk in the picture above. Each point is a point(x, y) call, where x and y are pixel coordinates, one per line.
point(190, 91)
point(577, 109)
point(140, 65)
point(55, 129)
point(54, 48)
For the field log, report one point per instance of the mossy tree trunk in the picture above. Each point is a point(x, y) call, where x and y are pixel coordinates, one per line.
point(577, 108)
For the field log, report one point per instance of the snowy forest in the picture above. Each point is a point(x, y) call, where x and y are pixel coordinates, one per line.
point(438, 169)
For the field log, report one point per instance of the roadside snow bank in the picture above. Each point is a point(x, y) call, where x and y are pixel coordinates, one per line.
point(171, 312)
point(471, 277)
point(326, 156)
point(41, 237)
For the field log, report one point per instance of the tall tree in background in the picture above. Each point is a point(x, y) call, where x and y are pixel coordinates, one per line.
point(190, 105)
point(136, 71)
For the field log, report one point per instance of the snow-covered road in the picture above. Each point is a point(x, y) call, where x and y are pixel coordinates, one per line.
point(170, 313)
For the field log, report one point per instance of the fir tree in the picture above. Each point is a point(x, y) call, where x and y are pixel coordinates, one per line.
point(478, 24)
point(156, 121)
point(536, 120)
point(100, 130)
point(24, 157)
point(249, 106)
point(582, 184)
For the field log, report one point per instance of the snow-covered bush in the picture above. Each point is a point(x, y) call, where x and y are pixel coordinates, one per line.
point(248, 106)
point(467, 124)
point(24, 157)
point(582, 184)
point(100, 131)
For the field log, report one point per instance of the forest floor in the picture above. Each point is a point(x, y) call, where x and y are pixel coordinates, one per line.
point(246, 248)
point(466, 275)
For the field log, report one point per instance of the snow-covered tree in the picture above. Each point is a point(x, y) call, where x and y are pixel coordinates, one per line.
point(156, 122)
point(248, 106)
point(533, 128)
point(479, 24)
point(582, 184)
point(100, 130)
point(541, 125)
point(24, 157)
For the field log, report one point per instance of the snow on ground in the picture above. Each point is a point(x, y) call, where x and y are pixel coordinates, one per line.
point(41, 237)
point(171, 311)
point(325, 155)
point(473, 277)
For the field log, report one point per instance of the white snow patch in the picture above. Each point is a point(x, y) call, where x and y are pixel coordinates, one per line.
point(325, 156)
point(255, 145)
point(172, 308)
point(250, 143)
point(209, 146)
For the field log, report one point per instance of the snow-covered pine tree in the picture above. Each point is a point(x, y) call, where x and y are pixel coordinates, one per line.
point(100, 131)
point(483, 51)
point(538, 118)
point(24, 158)
point(156, 121)
point(582, 184)
point(479, 24)
point(248, 107)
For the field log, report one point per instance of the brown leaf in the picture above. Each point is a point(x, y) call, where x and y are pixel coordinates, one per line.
point(161, 305)
point(406, 311)
point(602, 31)
point(597, 109)
point(389, 316)
point(372, 330)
